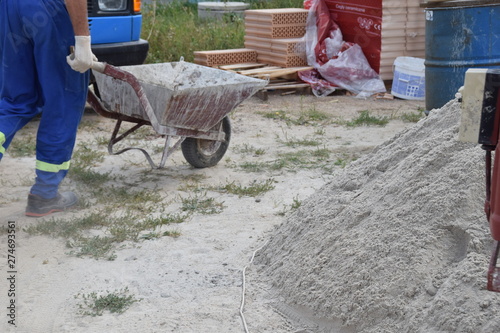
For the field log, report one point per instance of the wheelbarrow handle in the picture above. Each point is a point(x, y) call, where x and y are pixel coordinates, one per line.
point(98, 66)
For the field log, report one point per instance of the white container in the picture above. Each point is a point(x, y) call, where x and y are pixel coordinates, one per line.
point(409, 78)
point(217, 10)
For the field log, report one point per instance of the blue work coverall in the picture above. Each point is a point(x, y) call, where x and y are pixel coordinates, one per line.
point(35, 38)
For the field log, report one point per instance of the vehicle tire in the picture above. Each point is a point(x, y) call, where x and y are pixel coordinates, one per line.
point(202, 153)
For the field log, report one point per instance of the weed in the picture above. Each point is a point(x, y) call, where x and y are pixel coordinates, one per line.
point(202, 205)
point(412, 117)
point(321, 154)
point(278, 115)
point(88, 177)
point(253, 190)
point(315, 115)
point(23, 145)
point(114, 229)
point(94, 304)
point(303, 142)
point(305, 118)
point(247, 149)
point(366, 119)
point(320, 131)
point(94, 247)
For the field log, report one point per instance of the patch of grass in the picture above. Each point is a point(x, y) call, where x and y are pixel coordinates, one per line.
point(23, 145)
point(80, 232)
point(315, 115)
point(248, 149)
point(341, 162)
point(277, 115)
point(102, 140)
point(302, 142)
point(96, 247)
point(134, 199)
point(294, 206)
point(254, 189)
point(94, 304)
point(306, 159)
point(262, 166)
point(413, 117)
point(202, 205)
point(320, 131)
point(310, 116)
point(143, 133)
point(89, 177)
point(296, 203)
point(84, 158)
point(366, 119)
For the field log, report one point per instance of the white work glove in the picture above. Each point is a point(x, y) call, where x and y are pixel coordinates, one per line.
point(82, 58)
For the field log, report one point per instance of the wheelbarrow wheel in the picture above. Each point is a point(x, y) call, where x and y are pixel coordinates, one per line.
point(202, 153)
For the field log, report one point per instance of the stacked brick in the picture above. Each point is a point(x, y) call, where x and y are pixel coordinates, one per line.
point(403, 33)
point(276, 35)
point(225, 57)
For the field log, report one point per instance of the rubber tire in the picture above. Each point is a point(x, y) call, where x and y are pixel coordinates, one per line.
point(202, 153)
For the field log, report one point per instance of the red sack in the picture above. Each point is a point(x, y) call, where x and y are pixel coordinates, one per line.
point(341, 63)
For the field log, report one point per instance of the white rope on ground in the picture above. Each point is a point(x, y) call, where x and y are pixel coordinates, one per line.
point(243, 291)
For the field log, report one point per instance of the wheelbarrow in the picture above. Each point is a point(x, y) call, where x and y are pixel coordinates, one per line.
point(186, 103)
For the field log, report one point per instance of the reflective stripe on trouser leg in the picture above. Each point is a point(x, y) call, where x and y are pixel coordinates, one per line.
point(2, 142)
point(48, 178)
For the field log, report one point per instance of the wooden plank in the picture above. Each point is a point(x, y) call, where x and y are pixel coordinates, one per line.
point(287, 86)
point(282, 83)
point(284, 71)
point(241, 66)
point(266, 69)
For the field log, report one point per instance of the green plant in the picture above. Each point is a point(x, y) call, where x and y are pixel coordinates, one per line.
point(254, 189)
point(94, 304)
point(413, 117)
point(301, 142)
point(366, 119)
point(247, 149)
point(79, 232)
point(202, 205)
point(306, 117)
point(23, 145)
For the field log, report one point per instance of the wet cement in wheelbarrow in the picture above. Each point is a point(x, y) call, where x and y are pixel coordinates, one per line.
point(397, 243)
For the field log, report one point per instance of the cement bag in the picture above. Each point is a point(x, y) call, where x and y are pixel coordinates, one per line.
point(341, 63)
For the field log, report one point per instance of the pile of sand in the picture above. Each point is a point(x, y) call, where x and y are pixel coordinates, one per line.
point(397, 243)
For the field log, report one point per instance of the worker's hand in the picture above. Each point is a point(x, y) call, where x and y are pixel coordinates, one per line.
point(82, 58)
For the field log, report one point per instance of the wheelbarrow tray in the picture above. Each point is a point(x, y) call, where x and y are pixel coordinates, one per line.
point(182, 95)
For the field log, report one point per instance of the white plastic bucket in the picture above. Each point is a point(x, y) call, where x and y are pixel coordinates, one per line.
point(409, 78)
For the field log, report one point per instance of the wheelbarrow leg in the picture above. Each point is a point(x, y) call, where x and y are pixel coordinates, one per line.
point(114, 139)
point(167, 151)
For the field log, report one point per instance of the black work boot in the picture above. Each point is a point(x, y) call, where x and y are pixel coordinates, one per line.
point(38, 206)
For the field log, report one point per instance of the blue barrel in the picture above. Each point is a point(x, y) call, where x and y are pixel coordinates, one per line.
point(466, 35)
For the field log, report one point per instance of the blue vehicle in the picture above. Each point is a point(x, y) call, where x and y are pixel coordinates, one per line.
point(115, 30)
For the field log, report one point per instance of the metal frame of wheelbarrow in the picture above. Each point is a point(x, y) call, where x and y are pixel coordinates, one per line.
point(94, 101)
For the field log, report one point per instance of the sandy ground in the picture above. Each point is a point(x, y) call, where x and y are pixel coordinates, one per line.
point(194, 282)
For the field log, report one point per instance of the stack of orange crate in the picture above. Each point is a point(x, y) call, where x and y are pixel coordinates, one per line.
point(225, 57)
point(276, 35)
point(403, 33)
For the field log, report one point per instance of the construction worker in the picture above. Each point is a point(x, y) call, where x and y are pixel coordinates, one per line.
point(38, 76)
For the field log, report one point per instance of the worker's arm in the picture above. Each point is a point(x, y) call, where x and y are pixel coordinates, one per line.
point(82, 58)
point(77, 10)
